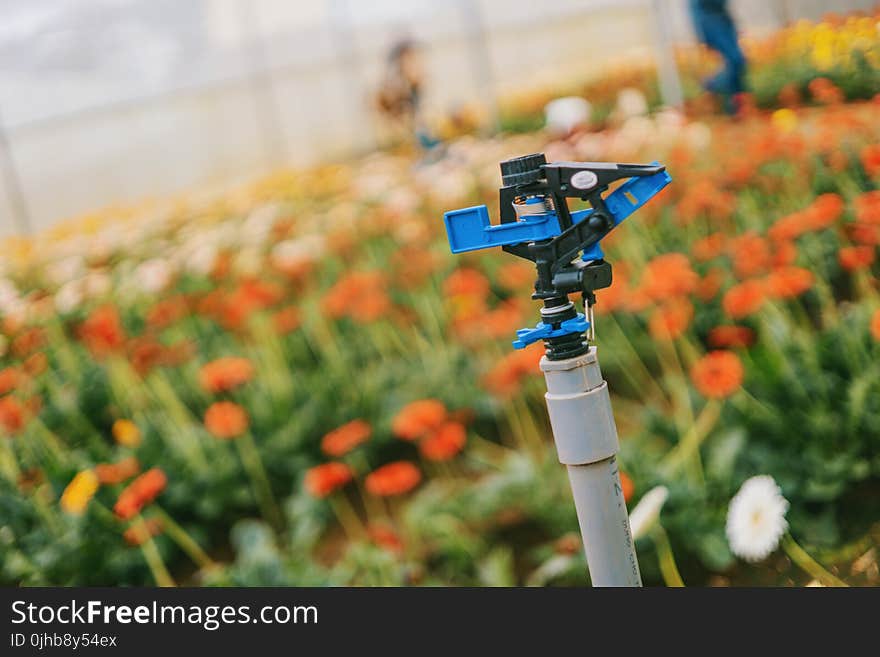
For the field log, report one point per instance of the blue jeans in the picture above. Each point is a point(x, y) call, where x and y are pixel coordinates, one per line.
point(715, 28)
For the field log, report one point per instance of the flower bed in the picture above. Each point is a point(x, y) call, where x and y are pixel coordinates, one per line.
point(298, 384)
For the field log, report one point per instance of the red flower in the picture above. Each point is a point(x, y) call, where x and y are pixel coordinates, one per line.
point(789, 282)
point(868, 207)
point(225, 374)
point(28, 341)
point(140, 493)
point(444, 443)
point(853, 258)
point(789, 227)
point(709, 285)
point(466, 282)
point(825, 210)
point(627, 486)
point(718, 374)
point(359, 295)
point(394, 478)
point(709, 247)
point(669, 275)
point(751, 255)
point(9, 379)
point(515, 276)
point(731, 336)
point(385, 537)
point(102, 332)
point(286, 320)
point(167, 311)
point(671, 319)
point(116, 473)
point(323, 479)
point(342, 440)
point(505, 377)
point(744, 298)
point(13, 415)
point(418, 418)
point(226, 420)
point(870, 157)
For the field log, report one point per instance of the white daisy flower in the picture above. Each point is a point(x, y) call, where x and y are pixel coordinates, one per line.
point(646, 513)
point(756, 518)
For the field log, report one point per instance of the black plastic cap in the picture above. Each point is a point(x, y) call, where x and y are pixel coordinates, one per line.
point(523, 170)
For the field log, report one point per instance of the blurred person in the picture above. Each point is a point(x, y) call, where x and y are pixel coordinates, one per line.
point(400, 92)
point(715, 27)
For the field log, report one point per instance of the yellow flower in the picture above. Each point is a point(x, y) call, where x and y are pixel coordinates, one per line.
point(126, 433)
point(79, 492)
point(785, 120)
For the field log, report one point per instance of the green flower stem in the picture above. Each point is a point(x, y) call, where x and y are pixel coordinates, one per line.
point(808, 564)
point(691, 441)
point(186, 542)
point(250, 458)
point(153, 558)
point(668, 567)
point(346, 515)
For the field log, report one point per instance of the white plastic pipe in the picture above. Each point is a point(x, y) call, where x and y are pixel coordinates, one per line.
point(586, 441)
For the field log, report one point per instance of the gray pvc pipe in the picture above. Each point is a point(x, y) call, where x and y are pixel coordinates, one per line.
point(586, 441)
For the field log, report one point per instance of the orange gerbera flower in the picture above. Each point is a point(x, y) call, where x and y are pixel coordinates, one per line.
point(9, 379)
point(710, 284)
point(115, 473)
point(718, 374)
point(784, 253)
point(751, 255)
point(102, 332)
point(444, 443)
point(867, 206)
point(28, 341)
point(627, 486)
point(140, 493)
point(731, 336)
point(385, 537)
point(824, 91)
point(287, 320)
point(226, 420)
point(668, 275)
point(466, 281)
point(342, 440)
point(13, 415)
point(167, 311)
point(671, 319)
point(870, 157)
point(789, 282)
point(515, 276)
point(505, 378)
point(875, 325)
point(789, 227)
point(744, 298)
point(418, 418)
point(709, 247)
point(359, 295)
point(853, 258)
point(394, 478)
point(825, 210)
point(323, 479)
point(225, 374)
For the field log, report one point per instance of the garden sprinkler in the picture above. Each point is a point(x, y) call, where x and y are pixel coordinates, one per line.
point(537, 224)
